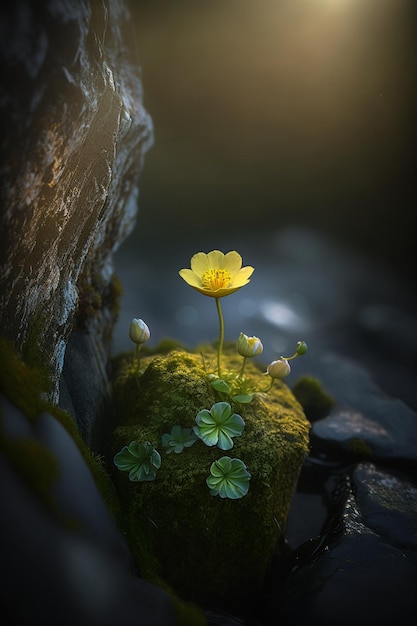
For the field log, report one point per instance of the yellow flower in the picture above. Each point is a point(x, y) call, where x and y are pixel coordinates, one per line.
point(216, 274)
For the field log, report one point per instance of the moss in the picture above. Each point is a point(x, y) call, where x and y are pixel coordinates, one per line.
point(164, 347)
point(32, 353)
point(312, 397)
point(96, 294)
point(205, 547)
point(26, 389)
point(360, 449)
point(115, 292)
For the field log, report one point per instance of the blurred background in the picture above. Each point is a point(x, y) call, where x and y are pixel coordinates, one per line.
point(283, 129)
point(270, 113)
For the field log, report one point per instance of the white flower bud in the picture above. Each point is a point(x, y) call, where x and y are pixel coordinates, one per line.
point(278, 369)
point(249, 346)
point(138, 331)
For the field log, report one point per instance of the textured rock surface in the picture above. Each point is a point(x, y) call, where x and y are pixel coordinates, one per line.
point(73, 139)
point(208, 548)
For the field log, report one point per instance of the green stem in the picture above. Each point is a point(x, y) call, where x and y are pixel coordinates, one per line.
point(221, 335)
point(288, 358)
point(243, 367)
point(136, 357)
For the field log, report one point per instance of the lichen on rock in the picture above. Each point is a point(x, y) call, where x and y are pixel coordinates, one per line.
point(205, 547)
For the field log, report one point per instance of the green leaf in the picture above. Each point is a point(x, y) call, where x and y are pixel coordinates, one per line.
point(229, 478)
point(141, 460)
point(179, 439)
point(219, 425)
point(243, 399)
point(220, 385)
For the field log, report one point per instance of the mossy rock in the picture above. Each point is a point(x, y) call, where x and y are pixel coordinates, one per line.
point(315, 401)
point(206, 548)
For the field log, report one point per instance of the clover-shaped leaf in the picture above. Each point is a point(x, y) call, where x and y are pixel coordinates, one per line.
point(219, 425)
point(179, 439)
point(229, 478)
point(141, 460)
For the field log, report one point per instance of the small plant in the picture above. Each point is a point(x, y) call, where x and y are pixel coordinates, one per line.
point(218, 426)
point(229, 478)
point(216, 275)
point(179, 439)
point(141, 460)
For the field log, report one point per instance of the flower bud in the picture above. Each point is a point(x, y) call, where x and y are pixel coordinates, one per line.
point(138, 331)
point(301, 348)
point(279, 369)
point(249, 346)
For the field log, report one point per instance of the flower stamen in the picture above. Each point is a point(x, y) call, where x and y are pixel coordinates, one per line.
point(215, 279)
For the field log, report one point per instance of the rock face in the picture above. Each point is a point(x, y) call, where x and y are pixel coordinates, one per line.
point(74, 137)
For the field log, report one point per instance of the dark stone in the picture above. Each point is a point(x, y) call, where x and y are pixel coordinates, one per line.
point(74, 134)
point(365, 423)
point(364, 569)
point(85, 388)
point(67, 564)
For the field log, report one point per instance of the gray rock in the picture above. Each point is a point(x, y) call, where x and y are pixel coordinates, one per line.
point(74, 134)
point(365, 422)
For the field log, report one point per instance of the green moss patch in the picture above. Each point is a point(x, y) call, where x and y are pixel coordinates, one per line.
point(315, 401)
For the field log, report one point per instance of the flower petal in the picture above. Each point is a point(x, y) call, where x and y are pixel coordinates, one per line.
point(215, 259)
point(232, 262)
point(220, 293)
point(191, 278)
point(242, 277)
point(200, 263)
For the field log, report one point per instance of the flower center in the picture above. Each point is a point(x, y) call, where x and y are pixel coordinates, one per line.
point(216, 279)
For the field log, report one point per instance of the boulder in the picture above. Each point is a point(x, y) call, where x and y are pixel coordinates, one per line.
point(74, 135)
point(210, 547)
